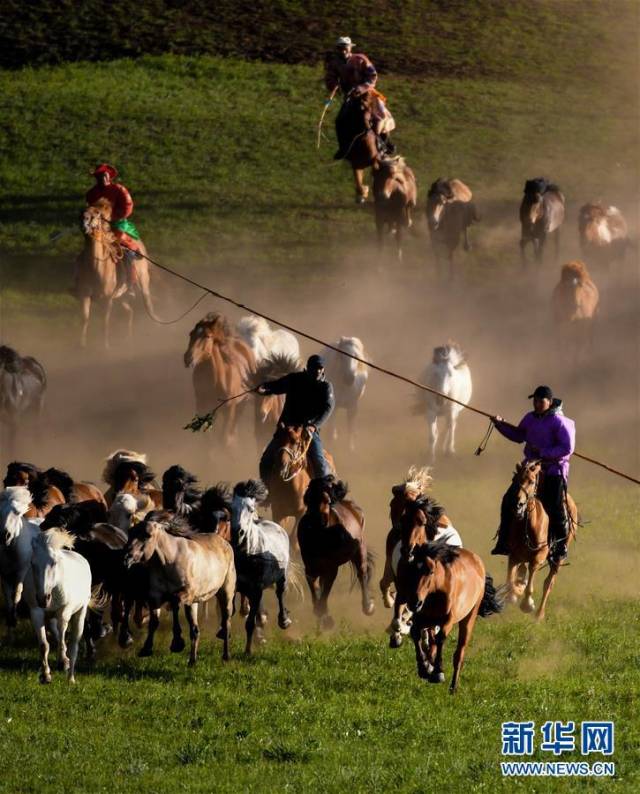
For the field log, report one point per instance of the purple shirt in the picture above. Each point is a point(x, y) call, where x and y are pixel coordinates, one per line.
point(551, 433)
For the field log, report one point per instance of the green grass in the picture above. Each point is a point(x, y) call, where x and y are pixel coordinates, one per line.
point(345, 714)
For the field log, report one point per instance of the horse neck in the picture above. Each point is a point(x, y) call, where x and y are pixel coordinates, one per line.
point(166, 548)
point(99, 253)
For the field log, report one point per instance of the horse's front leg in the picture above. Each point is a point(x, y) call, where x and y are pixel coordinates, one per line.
point(527, 604)
point(85, 310)
point(255, 597)
point(398, 624)
point(10, 605)
point(362, 567)
point(362, 191)
point(421, 660)
point(37, 621)
point(284, 621)
point(539, 250)
point(432, 421)
point(386, 582)
point(437, 676)
point(177, 642)
point(450, 433)
point(107, 322)
point(546, 590)
point(129, 312)
point(191, 613)
point(76, 627)
point(63, 658)
point(465, 629)
point(326, 584)
point(154, 622)
point(512, 588)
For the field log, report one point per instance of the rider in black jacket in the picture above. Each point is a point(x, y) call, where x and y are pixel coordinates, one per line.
point(309, 402)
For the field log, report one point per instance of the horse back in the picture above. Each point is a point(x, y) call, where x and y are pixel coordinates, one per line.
point(350, 516)
point(467, 583)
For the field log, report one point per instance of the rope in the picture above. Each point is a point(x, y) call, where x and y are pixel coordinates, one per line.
point(324, 112)
point(204, 295)
point(483, 444)
point(370, 364)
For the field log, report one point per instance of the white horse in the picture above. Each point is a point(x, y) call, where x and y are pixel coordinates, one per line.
point(58, 587)
point(448, 373)
point(128, 509)
point(261, 552)
point(349, 378)
point(264, 341)
point(16, 535)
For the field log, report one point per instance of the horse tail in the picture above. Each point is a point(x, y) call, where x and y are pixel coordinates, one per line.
point(99, 598)
point(148, 303)
point(492, 602)
point(295, 579)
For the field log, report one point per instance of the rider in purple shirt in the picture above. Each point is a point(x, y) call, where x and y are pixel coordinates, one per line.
point(549, 436)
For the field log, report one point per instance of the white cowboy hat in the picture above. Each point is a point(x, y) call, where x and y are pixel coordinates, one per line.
point(344, 41)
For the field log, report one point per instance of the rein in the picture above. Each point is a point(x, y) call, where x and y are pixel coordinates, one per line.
point(296, 457)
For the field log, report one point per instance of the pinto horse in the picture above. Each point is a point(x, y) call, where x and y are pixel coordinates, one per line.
point(541, 214)
point(604, 235)
point(445, 586)
point(357, 138)
point(528, 536)
point(331, 534)
point(222, 365)
point(98, 271)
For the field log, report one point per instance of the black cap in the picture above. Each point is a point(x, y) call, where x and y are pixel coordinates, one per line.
point(315, 362)
point(542, 392)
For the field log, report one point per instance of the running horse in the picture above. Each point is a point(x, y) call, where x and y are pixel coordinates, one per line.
point(331, 534)
point(450, 213)
point(541, 214)
point(223, 365)
point(354, 128)
point(528, 539)
point(290, 474)
point(23, 383)
point(99, 272)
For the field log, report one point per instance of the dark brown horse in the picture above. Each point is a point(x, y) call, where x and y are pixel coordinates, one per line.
point(528, 538)
point(541, 214)
point(23, 383)
point(450, 213)
point(354, 128)
point(331, 534)
point(445, 586)
point(395, 194)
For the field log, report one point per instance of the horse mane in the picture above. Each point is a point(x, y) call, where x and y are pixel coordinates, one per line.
point(337, 489)
point(275, 366)
point(431, 509)
point(251, 489)
point(57, 539)
point(14, 499)
point(61, 480)
point(10, 360)
point(418, 480)
point(439, 551)
point(179, 490)
point(145, 475)
point(77, 517)
point(38, 486)
point(575, 269)
point(441, 187)
point(541, 185)
point(172, 524)
point(220, 327)
point(252, 325)
point(218, 497)
point(16, 466)
point(117, 457)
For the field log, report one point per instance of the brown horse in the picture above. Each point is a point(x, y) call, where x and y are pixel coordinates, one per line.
point(331, 534)
point(450, 213)
point(223, 365)
point(604, 236)
point(290, 475)
point(99, 271)
point(528, 540)
point(354, 127)
point(44, 495)
point(127, 472)
point(395, 194)
point(541, 214)
point(575, 305)
point(445, 586)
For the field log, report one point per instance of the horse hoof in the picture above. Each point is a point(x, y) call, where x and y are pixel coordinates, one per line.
point(45, 678)
point(327, 622)
point(436, 677)
point(125, 640)
point(177, 645)
point(72, 679)
point(284, 622)
point(145, 652)
point(527, 605)
point(261, 619)
point(220, 634)
point(423, 673)
point(388, 601)
point(395, 641)
point(512, 598)
point(369, 607)
point(192, 662)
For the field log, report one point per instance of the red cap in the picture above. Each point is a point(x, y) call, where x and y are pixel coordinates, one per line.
point(105, 168)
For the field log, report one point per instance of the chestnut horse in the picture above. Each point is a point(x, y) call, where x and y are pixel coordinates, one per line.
point(331, 534)
point(290, 475)
point(223, 365)
point(445, 586)
point(575, 305)
point(395, 194)
point(528, 540)
point(604, 236)
point(354, 127)
point(541, 214)
point(97, 271)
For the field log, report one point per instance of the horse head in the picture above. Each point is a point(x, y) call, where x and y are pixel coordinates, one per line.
point(14, 503)
point(143, 540)
point(322, 493)
point(419, 523)
point(97, 218)
point(440, 194)
point(215, 510)
point(128, 509)
point(212, 329)
point(525, 481)
point(179, 489)
point(424, 567)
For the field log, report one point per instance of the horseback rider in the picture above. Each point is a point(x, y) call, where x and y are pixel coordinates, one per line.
point(122, 207)
point(309, 402)
point(354, 74)
point(549, 436)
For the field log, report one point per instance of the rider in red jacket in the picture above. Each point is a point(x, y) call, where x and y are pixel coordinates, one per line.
point(121, 208)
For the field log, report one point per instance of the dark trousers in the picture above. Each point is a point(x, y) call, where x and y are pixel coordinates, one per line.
point(315, 454)
point(552, 492)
